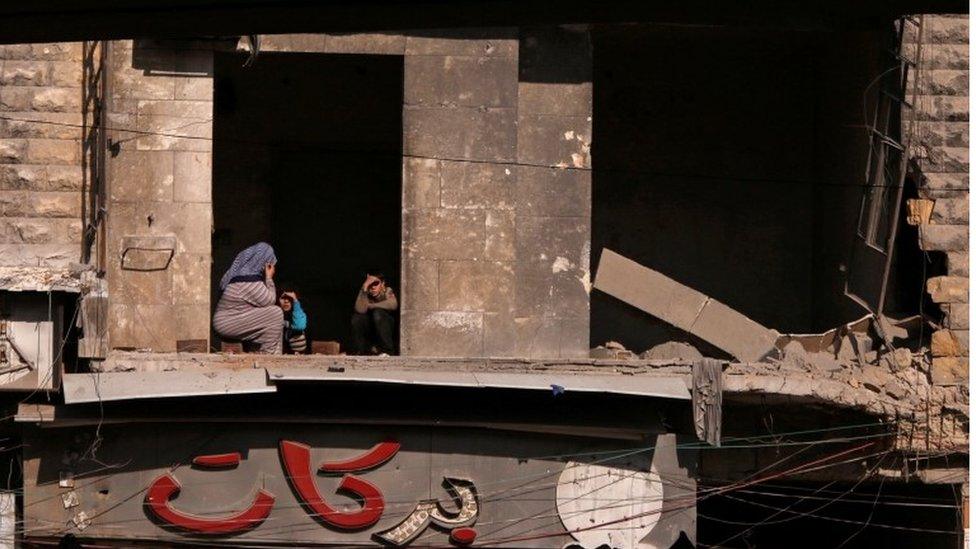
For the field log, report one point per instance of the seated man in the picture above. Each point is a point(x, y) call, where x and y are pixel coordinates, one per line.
point(372, 323)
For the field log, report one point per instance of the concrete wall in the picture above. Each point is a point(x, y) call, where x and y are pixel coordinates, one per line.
point(496, 187)
point(41, 176)
point(159, 193)
point(941, 154)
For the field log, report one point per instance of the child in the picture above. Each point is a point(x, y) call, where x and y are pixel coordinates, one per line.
point(295, 321)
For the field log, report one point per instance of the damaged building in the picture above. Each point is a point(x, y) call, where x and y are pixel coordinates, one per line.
point(665, 278)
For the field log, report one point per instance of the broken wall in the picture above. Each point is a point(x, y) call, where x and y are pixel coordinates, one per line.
point(158, 177)
point(734, 165)
point(496, 186)
point(940, 158)
point(41, 174)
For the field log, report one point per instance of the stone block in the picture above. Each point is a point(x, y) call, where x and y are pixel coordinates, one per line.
point(196, 80)
point(55, 255)
point(476, 286)
point(193, 225)
point(293, 42)
point(56, 100)
point(948, 238)
point(944, 343)
point(140, 326)
point(962, 338)
point(500, 235)
point(919, 211)
point(153, 287)
point(948, 289)
point(469, 42)
point(460, 134)
point(553, 192)
point(57, 51)
point(192, 177)
point(14, 203)
point(53, 151)
point(379, 43)
point(942, 108)
point(574, 341)
point(448, 81)
point(25, 73)
point(15, 51)
point(942, 134)
point(942, 159)
point(477, 185)
point(198, 88)
point(949, 370)
point(957, 263)
point(556, 98)
point(45, 125)
point(457, 334)
point(547, 245)
point(444, 234)
point(421, 183)
point(161, 133)
point(16, 98)
point(537, 337)
point(558, 141)
point(418, 285)
point(945, 56)
point(942, 30)
point(13, 151)
point(191, 279)
point(957, 315)
point(28, 231)
point(138, 176)
point(129, 82)
point(951, 211)
point(66, 74)
point(60, 178)
point(941, 81)
point(54, 204)
point(500, 335)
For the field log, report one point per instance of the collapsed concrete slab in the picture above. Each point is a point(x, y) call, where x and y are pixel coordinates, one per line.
point(683, 307)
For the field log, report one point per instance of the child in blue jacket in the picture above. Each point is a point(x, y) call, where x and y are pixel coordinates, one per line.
point(295, 322)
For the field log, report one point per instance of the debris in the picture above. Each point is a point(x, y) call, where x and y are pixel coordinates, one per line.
point(615, 346)
point(192, 346)
point(673, 350)
point(612, 350)
point(81, 520)
point(944, 343)
point(66, 479)
point(684, 307)
point(899, 360)
point(325, 347)
point(70, 499)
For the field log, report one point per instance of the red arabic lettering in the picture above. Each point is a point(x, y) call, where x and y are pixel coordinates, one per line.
point(167, 487)
point(297, 463)
point(218, 461)
point(376, 456)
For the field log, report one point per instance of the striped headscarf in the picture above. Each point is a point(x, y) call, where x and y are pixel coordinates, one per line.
point(250, 262)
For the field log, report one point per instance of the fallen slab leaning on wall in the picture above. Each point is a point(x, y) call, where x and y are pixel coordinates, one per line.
point(684, 307)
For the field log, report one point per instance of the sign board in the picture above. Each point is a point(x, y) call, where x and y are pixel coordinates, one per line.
point(309, 484)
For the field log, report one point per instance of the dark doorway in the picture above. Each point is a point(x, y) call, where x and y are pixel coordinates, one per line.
point(307, 153)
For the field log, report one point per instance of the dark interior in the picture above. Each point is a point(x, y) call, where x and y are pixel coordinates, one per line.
point(732, 159)
point(307, 158)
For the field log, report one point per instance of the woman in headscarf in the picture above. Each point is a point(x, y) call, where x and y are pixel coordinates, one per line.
point(248, 308)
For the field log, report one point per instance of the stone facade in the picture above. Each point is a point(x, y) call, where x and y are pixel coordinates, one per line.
point(159, 211)
point(41, 174)
point(940, 154)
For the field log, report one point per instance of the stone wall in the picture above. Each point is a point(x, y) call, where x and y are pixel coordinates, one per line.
point(496, 186)
point(159, 212)
point(41, 176)
point(940, 152)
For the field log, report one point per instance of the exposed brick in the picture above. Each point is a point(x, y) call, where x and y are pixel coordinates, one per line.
point(944, 343)
point(948, 289)
point(950, 238)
